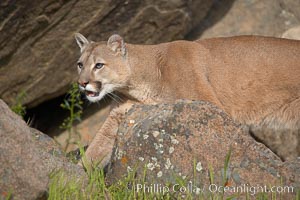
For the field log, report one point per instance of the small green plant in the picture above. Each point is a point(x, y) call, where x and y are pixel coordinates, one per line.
point(18, 107)
point(73, 104)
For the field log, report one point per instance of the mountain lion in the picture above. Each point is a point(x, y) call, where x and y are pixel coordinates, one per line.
point(256, 80)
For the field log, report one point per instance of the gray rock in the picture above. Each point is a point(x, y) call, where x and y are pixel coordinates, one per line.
point(27, 158)
point(37, 49)
point(186, 139)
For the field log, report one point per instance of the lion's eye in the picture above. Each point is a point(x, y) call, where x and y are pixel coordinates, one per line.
point(99, 65)
point(80, 65)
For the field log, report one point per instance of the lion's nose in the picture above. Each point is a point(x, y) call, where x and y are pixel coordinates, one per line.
point(83, 83)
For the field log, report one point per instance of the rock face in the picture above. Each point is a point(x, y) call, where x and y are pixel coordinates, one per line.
point(189, 140)
point(254, 17)
point(293, 7)
point(37, 49)
point(27, 158)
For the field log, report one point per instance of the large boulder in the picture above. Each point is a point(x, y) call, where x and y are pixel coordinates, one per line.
point(27, 158)
point(190, 141)
point(37, 49)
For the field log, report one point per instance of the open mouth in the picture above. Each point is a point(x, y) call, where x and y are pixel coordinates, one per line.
point(91, 93)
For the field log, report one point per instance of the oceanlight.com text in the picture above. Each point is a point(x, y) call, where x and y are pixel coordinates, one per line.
point(212, 188)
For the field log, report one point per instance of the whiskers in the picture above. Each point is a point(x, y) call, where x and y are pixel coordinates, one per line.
point(115, 97)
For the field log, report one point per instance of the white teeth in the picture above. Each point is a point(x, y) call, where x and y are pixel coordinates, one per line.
point(97, 96)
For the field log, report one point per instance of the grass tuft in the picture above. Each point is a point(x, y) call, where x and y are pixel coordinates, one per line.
point(64, 187)
point(18, 107)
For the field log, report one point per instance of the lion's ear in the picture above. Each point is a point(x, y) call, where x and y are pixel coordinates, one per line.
point(116, 43)
point(81, 41)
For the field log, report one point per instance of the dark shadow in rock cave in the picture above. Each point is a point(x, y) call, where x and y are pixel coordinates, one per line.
point(48, 116)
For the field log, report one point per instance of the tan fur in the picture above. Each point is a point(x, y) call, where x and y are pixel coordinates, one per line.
point(256, 80)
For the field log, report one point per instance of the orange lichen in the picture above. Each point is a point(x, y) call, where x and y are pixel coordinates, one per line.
point(228, 184)
point(4, 194)
point(124, 160)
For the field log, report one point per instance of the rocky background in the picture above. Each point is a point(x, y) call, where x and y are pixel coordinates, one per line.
point(38, 53)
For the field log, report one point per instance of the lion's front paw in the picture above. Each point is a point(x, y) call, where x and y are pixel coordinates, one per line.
point(95, 158)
